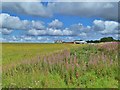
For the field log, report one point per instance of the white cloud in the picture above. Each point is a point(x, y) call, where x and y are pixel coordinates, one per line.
point(73, 30)
point(14, 38)
point(55, 24)
point(106, 27)
point(67, 31)
point(39, 38)
point(5, 31)
point(99, 25)
point(48, 31)
point(56, 32)
point(82, 9)
point(32, 32)
point(51, 31)
point(14, 22)
point(43, 39)
point(36, 28)
point(87, 9)
point(38, 25)
point(28, 38)
point(27, 8)
point(83, 34)
point(35, 32)
point(77, 29)
point(25, 38)
point(2, 39)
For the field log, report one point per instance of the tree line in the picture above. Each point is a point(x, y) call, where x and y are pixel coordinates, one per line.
point(104, 39)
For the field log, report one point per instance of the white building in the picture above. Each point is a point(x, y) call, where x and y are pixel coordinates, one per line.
point(79, 42)
point(58, 41)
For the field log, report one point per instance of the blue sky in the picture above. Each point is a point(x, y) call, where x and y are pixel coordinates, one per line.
point(47, 22)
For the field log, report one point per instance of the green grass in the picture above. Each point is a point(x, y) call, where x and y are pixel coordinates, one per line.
point(16, 52)
point(60, 66)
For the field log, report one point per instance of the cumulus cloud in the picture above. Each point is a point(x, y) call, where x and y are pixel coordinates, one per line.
point(52, 31)
point(15, 23)
point(5, 31)
point(88, 9)
point(36, 28)
point(48, 31)
point(67, 31)
point(38, 25)
point(35, 32)
point(25, 38)
point(106, 27)
point(58, 32)
point(98, 27)
point(82, 9)
point(12, 22)
point(27, 8)
point(77, 28)
point(55, 24)
point(29, 38)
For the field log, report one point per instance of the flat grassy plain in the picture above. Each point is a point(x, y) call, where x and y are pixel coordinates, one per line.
point(15, 52)
point(60, 65)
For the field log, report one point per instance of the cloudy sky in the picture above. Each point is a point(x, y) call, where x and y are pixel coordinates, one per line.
point(50, 21)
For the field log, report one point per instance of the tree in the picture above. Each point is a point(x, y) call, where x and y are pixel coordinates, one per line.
point(107, 39)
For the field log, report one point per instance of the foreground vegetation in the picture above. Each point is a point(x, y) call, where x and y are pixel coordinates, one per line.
point(68, 66)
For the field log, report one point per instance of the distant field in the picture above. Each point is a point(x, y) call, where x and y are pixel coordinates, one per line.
point(16, 52)
point(60, 65)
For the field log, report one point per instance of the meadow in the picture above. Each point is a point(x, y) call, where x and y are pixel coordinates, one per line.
point(60, 65)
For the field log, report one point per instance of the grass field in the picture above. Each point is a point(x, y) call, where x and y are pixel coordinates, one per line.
point(60, 65)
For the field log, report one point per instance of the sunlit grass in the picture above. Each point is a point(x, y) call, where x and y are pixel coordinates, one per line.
point(61, 66)
point(16, 52)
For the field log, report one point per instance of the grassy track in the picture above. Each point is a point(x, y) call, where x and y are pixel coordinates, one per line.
point(60, 66)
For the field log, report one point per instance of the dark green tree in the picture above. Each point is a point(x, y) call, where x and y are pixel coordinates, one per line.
point(106, 39)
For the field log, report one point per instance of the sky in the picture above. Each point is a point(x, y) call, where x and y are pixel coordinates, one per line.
point(46, 22)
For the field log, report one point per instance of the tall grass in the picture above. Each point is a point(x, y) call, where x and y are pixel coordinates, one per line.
point(83, 67)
